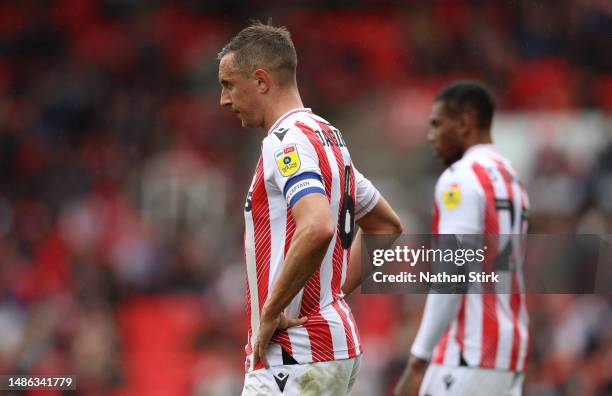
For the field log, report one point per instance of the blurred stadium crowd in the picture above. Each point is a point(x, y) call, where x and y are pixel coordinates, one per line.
point(122, 182)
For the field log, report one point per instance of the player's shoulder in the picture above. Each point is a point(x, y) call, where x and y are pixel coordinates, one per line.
point(297, 120)
point(283, 136)
point(477, 157)
point(458, 180)
point(292, 128)
point(460, 171)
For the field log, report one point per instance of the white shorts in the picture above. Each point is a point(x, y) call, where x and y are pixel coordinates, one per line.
point(333, 378)
point(463, 381)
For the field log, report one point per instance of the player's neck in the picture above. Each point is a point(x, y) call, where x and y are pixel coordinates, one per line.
point(482, 138)
point(283, 103)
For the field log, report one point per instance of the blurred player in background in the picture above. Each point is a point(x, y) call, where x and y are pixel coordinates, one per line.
point(472, 344)
point(300, 214)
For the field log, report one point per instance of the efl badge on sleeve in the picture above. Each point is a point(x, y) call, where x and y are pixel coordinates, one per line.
point(287, 160)
point(451, 197)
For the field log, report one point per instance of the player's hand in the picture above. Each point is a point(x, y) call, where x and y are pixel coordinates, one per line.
point(411, 379)
point(268, 324)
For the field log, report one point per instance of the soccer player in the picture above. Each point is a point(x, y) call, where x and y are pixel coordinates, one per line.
point(300, 214)
point(472, 344)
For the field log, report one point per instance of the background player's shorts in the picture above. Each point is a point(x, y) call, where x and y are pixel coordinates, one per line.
point(333, 378)
point(463, 381)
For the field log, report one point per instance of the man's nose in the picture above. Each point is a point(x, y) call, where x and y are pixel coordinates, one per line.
point(430, 135)
point(225, 99)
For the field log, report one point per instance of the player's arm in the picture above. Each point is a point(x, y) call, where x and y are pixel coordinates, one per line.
point(460, 212)
point(314, 229)
point(382, 219)
point(440, 309)
point(291, 165)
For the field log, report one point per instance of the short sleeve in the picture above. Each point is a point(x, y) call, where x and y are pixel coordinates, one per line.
point(460, 203)
point(366, 195)
point(291, 164)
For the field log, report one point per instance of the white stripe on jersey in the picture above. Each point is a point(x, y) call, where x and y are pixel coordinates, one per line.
point(473, 329)
point(353, 327)
point(452, 347)
point(249, 248)
point(277, 236)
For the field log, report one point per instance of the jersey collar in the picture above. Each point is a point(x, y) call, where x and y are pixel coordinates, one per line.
point(287, 114)
point(479, 148)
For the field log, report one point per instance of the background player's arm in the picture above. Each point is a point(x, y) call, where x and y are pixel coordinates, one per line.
point(380, 220)
point(440, 309)
point(459, 214)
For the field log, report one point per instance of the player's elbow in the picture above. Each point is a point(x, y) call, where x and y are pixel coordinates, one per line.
point(389, 224)
point(382, 219)
point(320, 231)
point(396, 225)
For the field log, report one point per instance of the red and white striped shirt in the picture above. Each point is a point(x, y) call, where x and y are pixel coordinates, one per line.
point(479, 194)
point(303, 154)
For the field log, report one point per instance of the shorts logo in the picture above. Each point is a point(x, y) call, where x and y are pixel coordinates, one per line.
point(448, 381)
point(281, 380)
point(451, 197)
point(287, 160)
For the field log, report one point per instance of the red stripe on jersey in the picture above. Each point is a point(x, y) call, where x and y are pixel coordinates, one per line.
point(248, 349)
point(289, 230)
point(323, 162)
point(523, 298)
point(261, 231)
point(460, 334)
point(350, 344)
point(320, 338)
point(440, 350)
point(435, 221)
point(248, 312)
point(338, 255)
point(515, 306)
point(352, 320)
point(282, 337)
point(515, 298)
point(318, 329)
point(438, 357)
point(491, 222)
point(490, 323)
point(348, 260)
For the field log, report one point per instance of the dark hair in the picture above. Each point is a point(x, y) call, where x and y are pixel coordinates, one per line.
point(461, 95)
point(265, 46)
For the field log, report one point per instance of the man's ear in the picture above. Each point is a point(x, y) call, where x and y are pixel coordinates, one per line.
point(467, 121)
point(262, 79)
